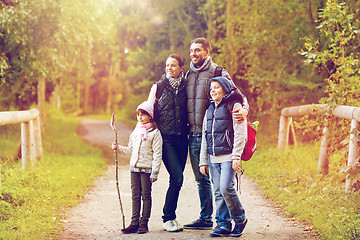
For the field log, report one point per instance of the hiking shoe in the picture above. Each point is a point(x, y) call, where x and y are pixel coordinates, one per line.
point(238, 229)
point(143, 229)
point(171, 226)
point(130, 229)
point(219, 232)
point(199, 224)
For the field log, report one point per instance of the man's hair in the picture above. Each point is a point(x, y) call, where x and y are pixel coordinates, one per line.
point(203, 41)
point(179, 58)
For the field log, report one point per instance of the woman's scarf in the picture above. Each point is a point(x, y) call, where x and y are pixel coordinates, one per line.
point(144, 129)
point(175, 82)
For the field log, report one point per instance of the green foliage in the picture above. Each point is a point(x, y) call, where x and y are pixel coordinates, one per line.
point(336, 58)
point(339, 62)
point(292, 180)
point(31, 201)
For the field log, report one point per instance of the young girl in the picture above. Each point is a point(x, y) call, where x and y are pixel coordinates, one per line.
point(145, 147)
point(223, 140)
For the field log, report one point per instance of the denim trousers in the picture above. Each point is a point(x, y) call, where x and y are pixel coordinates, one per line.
point(226, 199)
point(140, 188)
point(175, 150)
point(203, 182)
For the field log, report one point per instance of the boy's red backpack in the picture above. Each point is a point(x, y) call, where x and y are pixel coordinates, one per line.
point(250, 145)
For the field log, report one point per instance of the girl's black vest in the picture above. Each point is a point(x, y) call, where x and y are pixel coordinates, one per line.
point(219, 129)
point(171, 109)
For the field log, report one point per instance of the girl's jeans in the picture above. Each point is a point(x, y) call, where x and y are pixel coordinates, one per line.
point(175, 150)
point(226, 199)
point(140, 187)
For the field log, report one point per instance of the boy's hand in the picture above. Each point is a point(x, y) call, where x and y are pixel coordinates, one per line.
point(239, 114)
point(204, 169)
point(114, 146)
point(236, 165)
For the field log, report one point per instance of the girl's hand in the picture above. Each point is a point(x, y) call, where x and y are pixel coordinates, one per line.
point(153, 180)
point(236, 165)
point(204, 169)
point(114, 146)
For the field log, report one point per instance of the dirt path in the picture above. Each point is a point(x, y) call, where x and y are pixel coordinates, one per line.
point(98, 215)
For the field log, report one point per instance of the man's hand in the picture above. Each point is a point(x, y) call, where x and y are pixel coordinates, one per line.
point(239, 114)
point(204, 169)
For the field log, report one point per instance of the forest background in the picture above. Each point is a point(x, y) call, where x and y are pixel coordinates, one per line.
point(100, 56)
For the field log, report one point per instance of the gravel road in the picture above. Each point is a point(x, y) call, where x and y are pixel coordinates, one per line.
point(98, 215)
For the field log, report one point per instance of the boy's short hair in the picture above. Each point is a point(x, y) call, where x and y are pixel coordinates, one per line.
point(204, 43)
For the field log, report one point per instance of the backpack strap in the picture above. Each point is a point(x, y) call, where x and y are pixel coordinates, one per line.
point(218, 71)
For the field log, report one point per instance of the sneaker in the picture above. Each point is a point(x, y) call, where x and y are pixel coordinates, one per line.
point(171, 226)
point(199, 224)
point(219, 232)
point(181, 227)
point(238, 229)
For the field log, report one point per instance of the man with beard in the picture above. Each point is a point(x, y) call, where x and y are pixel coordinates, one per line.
point(202, 69)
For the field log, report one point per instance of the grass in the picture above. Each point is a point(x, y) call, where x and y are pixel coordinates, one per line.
point(292, 180)
point(32, 200)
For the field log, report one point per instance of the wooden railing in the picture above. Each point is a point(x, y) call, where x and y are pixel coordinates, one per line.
point(31, 147)
point(347, 112)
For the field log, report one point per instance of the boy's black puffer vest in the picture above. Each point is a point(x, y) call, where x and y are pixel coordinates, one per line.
point(219, 130)
point(171, 109)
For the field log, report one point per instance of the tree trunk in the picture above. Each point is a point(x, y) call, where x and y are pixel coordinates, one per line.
point(110, 83)
point(56, 95)
point(230, 35)
point(86, 97)
point(78, 97)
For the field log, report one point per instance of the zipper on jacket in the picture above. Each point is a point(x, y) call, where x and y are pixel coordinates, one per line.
point(194, 105)
point(212, 130)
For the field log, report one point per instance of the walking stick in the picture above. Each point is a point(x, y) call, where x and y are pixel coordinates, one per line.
point(112, 125)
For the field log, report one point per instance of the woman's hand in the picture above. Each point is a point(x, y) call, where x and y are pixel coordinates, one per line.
point(114, 146)
point(204, 169)
point(236, 165)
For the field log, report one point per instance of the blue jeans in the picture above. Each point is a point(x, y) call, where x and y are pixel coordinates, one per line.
point(175, 150)
point(203, 182)
point(226, 198)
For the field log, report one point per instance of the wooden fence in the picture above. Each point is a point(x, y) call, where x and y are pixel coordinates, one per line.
point(347, 112)
point(31, 147)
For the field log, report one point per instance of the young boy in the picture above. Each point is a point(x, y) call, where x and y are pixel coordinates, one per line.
point(223, 140)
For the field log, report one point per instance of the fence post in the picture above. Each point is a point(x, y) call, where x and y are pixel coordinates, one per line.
point(284, 129)
point(26, 144)
point(323, 164)
point(37, 139)
point(353, 152)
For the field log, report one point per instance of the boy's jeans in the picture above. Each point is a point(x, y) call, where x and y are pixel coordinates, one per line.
point(226, 198)
point(203, 182)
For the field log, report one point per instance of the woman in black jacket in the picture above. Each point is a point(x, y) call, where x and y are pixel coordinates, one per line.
point(170, 99)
